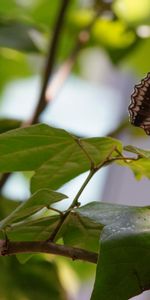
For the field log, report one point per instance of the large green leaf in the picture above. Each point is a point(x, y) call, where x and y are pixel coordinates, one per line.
point(103, 213)
point(56, 155)
point(27, 148)
point(39, 200)
point(123, 269)
point(73, 160)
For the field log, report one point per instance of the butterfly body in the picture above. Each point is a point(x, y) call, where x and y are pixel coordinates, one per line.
point(139, 108)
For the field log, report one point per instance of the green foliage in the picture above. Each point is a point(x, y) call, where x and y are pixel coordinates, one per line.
point(39, 200)
point(56, 157)
point(27, 281)
point(120, 234)
point(54, 154)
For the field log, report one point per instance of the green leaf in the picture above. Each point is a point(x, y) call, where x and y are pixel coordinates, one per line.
point(25, 149)
point(140, 167)
point(56, 155)
point(123, 268)
point(73, 160)
point(85, 224)
point(6, 206)
point(33, 230)
point(39, 200)
point(18, 36)
point(138, 151)
point(102, 213)
point(81, 232)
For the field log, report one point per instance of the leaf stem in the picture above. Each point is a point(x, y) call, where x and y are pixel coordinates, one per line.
point(74, 204)
point(126, 159)
point(75, 201)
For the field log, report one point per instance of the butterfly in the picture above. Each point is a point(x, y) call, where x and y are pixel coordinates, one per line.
point(139, 108)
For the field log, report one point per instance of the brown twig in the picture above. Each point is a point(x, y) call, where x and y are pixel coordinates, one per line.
point(13, 248)
point(50, 60)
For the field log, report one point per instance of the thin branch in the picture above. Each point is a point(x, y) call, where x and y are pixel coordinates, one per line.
point(13, 248)
point(51, 59)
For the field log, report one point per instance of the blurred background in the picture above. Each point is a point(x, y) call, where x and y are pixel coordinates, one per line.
point(102, 52)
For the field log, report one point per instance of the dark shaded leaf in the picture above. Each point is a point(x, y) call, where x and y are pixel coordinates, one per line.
point(6, 206)
point(123, 269)
point(17, 35)
point(9, 124)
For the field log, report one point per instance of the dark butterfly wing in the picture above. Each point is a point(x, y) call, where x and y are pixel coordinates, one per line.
point(139, 108)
